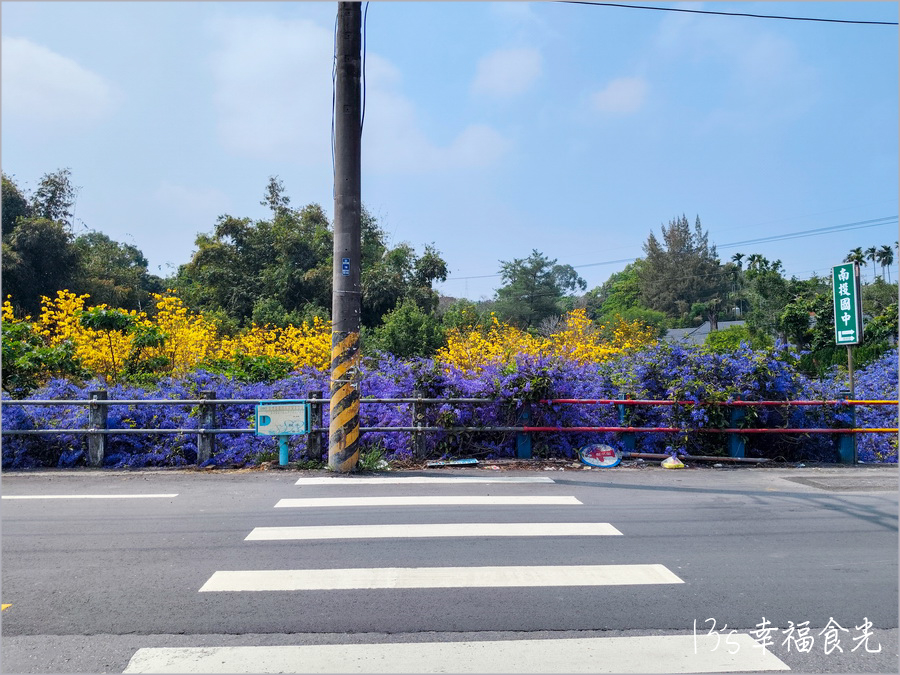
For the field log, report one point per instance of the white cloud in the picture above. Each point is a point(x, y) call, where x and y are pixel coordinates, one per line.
point(507, 72)
point(273, 88)
point(43, 87)
point(274, 95)
point(622, 95)
point(394, 141)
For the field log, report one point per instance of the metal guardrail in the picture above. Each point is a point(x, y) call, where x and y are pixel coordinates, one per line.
point(207, 430)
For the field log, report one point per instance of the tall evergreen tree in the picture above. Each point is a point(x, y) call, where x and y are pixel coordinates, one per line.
point(683, 272)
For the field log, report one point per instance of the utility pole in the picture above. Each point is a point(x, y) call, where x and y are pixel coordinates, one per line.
point(343, 436)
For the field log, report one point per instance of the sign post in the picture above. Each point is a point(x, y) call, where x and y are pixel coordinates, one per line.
point(847, 329)
point(282, 419)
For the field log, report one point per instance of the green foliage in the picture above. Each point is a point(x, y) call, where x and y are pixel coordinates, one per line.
point(270, 312)
point(55, 197)
point(618, 294)
point(28, 362)
point(407, 332)
point(878, 296)
point(372, 460)
point(39, 258)
point(683, 272)
point(464, 314)
point(279, 271)
point(882, 328)
point(105, 319)
point(400, 274)
point(730, 339)
point(140, 366)
point(817, 363)
point(534, 289)
point(245, 368)
point(767, 292)
point(113, 273)
point(14, 206)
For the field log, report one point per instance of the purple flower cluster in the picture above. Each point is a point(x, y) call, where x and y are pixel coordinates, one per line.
point(661, 372)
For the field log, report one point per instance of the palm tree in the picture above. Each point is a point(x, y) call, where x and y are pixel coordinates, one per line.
point(737, 259)
point(886, 259)
point(856, 256)
point(756, 261)
point(872, 254)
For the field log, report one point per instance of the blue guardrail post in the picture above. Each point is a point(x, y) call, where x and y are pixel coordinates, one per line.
point(736, 441)
point(847, 442)
point(625, 421)
point(523, 439)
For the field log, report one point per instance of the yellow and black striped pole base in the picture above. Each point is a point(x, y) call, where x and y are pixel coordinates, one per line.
point(343, 429)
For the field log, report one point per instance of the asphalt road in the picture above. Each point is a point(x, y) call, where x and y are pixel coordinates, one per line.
point(89, 581)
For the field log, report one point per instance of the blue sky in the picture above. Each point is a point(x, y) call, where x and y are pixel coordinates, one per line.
point(491, 129)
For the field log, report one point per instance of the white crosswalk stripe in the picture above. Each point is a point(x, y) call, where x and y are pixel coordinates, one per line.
point(314, 502)
point(439, 577)
point(432, 530)
point(642, 654)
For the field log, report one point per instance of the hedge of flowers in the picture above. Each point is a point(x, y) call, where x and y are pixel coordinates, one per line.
point(185, 339)
point(515, 384)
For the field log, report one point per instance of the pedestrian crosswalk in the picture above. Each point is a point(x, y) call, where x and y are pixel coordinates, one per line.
point(627, 654)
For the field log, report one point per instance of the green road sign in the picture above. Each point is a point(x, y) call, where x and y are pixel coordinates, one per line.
point(847, 304)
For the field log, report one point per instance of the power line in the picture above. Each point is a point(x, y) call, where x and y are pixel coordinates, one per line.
point(743, 14)
point(831, 229)
point(814, 232)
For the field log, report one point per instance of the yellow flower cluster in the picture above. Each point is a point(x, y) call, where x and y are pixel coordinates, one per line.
point(577, 339)
point(100, 352)
point(190, 338)
point(304, 345)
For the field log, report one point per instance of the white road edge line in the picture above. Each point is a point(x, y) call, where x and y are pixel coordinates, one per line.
point(638, 654)
point(424, 531)
point(148, 496)
point(311, 502)
point(439, 577)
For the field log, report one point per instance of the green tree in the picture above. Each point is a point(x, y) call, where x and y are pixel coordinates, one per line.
point(280, 271)
point(872, 254)
point(534, 289)
point(730, 339)
point(857, 256)
point(114, 273)
point(766, 292)
point(885, 258)
point(877, 296)
point(55, 197)
point(15, 205)
point(400, 274)
point(683, 271)
point(408, 331)
point(39, 258)
point(464, 314)
point(619, 293)
point(28, 361)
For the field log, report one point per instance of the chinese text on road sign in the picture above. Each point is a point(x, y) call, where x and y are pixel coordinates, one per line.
point(847, 310)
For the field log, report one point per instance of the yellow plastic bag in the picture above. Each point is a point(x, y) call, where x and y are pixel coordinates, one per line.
point(672, 463)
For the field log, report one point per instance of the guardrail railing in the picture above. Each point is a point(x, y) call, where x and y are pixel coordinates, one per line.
point(208, 405)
